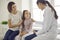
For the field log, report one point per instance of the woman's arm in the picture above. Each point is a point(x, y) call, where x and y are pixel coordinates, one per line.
point(15, 25)
point(20, 22)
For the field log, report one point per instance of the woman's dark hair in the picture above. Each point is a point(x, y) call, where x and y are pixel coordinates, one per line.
point(23, 18)
point(46, 2)
point(10, 6)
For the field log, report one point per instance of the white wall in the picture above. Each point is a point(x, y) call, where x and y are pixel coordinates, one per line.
point(26, 5)
point(51, 2)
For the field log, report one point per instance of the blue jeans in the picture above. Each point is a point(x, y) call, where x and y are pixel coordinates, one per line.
point(10, 35)
point(30, 37)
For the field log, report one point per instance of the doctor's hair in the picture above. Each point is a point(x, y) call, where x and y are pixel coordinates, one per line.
point(46, 2)
point(10, 6)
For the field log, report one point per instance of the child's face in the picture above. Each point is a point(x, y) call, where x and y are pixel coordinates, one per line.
point(27, 14)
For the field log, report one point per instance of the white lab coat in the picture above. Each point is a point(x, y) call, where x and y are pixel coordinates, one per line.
point(48, 31)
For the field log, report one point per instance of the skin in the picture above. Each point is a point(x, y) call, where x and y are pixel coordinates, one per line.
point(41, 6)
point(14, 11)
point(27, 15)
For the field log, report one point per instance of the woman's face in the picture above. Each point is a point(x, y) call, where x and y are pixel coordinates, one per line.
point(27, 15)
point(41, 6)
point(14, 8)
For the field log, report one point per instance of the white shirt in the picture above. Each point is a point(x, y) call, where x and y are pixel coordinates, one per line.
point(49, 23)
point(15, 19)
point(49, 30)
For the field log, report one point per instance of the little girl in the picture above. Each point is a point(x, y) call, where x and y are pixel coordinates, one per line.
point(27, 23)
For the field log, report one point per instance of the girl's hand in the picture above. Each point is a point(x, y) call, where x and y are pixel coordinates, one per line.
point(23, 33)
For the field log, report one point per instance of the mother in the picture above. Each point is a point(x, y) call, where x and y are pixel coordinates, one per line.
point(48, 31)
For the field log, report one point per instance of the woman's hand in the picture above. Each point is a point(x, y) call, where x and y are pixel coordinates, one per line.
point(15, 25)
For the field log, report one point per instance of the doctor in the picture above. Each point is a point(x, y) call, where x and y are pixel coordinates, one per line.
point(48, 31)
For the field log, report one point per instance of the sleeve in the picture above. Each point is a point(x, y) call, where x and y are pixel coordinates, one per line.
point(48, 17)
point(20, 15)
point(9, 16)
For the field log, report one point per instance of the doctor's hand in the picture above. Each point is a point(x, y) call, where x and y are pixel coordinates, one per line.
point(34, 31)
